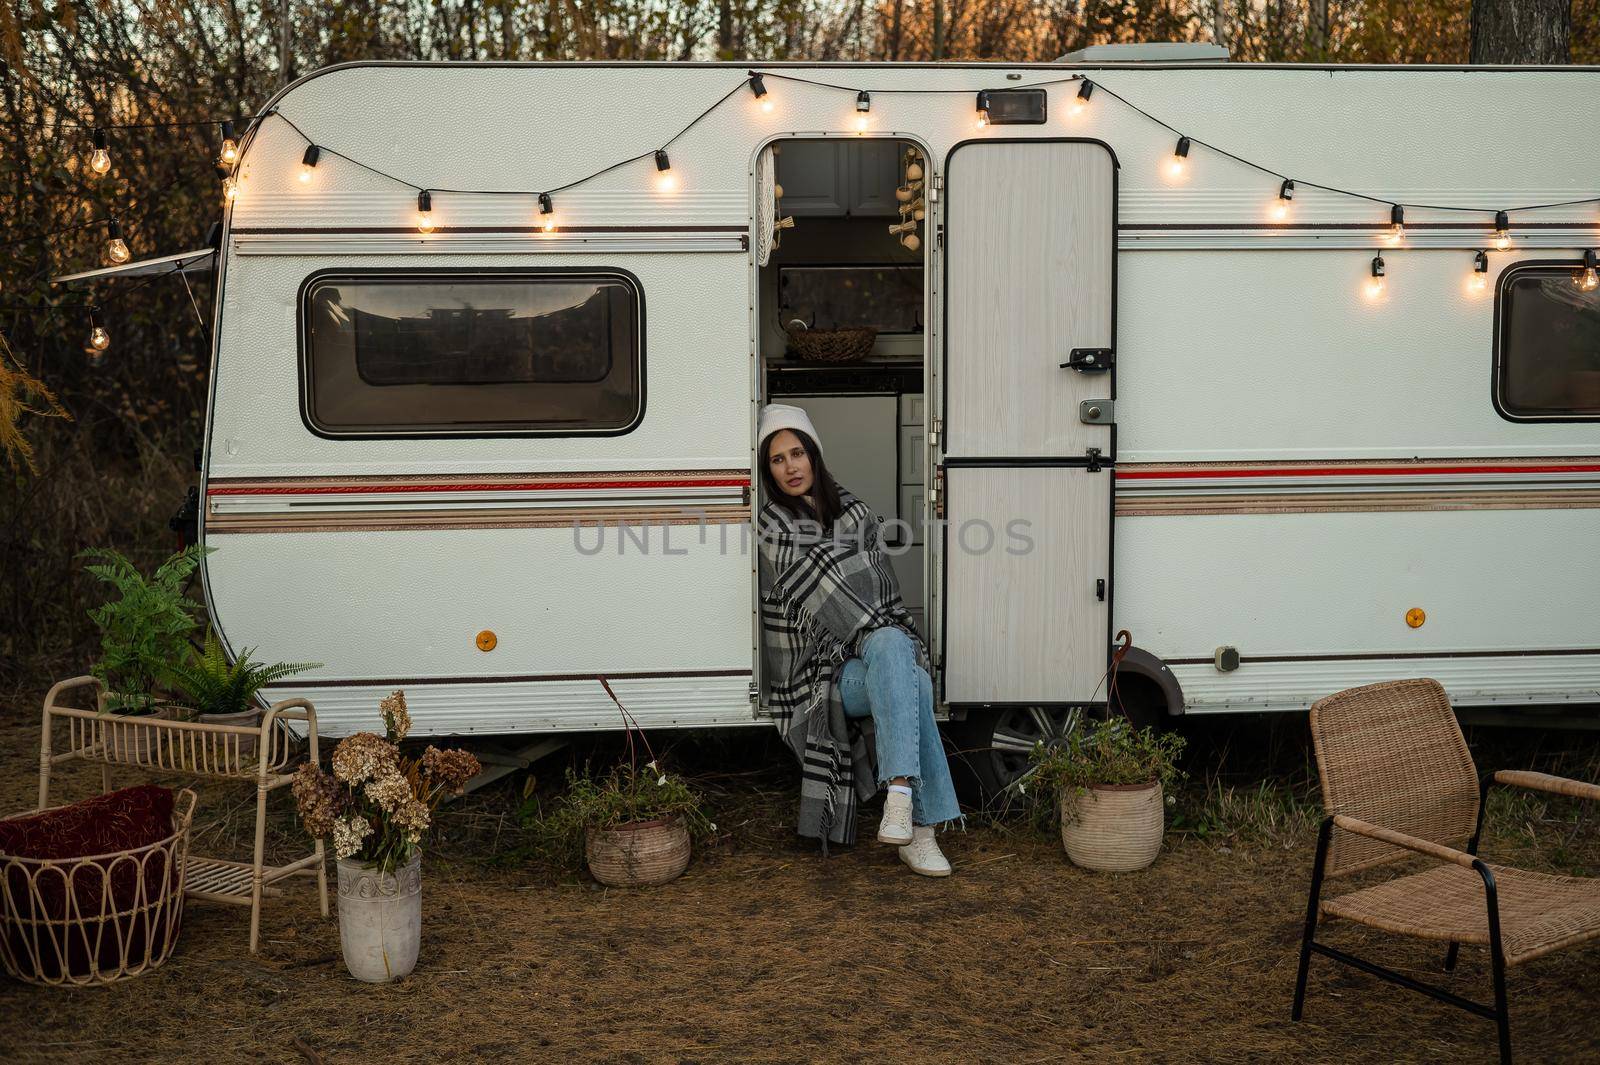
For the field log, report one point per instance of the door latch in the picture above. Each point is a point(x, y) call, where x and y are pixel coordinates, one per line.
point(1100, 589)
point(1097, 411)
point(1093, 466)
point(1089, 360)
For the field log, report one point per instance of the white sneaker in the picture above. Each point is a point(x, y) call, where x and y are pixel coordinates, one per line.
point(923, 853)
point(895, 827)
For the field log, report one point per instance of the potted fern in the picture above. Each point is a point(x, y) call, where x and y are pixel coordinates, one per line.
point(213, 691)
point(144, 628)
point(1107, 786)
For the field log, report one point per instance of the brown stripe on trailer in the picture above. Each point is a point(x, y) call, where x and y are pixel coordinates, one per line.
point(463, 482)
point(476, 518)
point(417, 682)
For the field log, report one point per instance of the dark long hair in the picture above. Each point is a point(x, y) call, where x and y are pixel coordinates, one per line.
point(824, 489)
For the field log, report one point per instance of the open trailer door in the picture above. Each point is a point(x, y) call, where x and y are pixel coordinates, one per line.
point(1028, 441)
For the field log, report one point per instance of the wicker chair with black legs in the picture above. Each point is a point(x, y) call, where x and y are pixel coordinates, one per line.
point(1398, 782)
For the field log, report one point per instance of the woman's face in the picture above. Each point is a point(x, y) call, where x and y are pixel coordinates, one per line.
point(789, 463)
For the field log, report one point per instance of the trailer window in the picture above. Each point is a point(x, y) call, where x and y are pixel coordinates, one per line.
point(454, 353)
point(1547, 352)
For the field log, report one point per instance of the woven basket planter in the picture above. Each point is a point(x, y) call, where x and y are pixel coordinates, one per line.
point(97, 919)
point(832, 345)
point(638, 855)
point(1113, 828)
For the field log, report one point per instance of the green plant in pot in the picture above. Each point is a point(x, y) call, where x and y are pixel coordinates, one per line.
point(634, 825)
point(214, 691)
point(144, 629)
point(1108, 785)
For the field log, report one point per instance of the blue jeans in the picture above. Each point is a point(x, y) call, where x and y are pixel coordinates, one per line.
point(886, 683)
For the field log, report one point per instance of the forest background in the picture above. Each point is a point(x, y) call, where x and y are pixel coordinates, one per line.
point(98, 452)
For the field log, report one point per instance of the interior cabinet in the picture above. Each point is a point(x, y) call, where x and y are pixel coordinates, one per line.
point(839, 178)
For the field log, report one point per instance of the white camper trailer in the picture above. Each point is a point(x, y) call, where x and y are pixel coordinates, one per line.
point(1288, 437)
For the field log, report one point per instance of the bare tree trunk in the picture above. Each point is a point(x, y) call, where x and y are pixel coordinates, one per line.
point(1521, 31)
point(285, 42)
point(1317, 29)
point(894, 32)
point(938, 29)
point(725, 29)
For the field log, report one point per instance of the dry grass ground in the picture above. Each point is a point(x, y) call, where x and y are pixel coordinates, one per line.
point(766, 952)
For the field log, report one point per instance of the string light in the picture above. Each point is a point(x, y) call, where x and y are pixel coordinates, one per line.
point(1375, 284)
point(116, 249)
point(1180, 156)
point(1502, 230)
point(308, 163)
point(230, 146)
point(758, 89)
point(1397, 224)
point(983, 110)
point(424, 212)
point(100, 157)
point(863, 109)
point(547, 207)
point(1080, 103)
point(1479, 280)
point(1588, 278)
point(230, 189)
point(99, 340)
point(666, 181)
point(1280, 210)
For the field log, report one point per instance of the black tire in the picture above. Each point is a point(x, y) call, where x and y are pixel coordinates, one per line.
point(991, 747)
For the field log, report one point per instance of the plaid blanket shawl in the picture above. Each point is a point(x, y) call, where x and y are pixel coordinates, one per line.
point(820, 594)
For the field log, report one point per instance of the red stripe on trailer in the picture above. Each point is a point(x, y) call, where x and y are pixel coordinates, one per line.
point(349, 489)
point(1341, 471)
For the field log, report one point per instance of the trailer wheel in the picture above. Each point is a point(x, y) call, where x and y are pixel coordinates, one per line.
point(992, 746)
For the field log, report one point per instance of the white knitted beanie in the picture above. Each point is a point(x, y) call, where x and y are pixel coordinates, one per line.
point(778, 416)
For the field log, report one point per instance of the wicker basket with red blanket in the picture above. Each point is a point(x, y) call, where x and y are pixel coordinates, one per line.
point(92, 893)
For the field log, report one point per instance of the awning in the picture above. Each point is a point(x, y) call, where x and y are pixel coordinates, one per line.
point(187, 262)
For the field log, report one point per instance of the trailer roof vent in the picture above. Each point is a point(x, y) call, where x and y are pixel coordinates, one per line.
point(1152, 52)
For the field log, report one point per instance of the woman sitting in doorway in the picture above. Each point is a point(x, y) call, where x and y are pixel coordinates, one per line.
point(841, 647)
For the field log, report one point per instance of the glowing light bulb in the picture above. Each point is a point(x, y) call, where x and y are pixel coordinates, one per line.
point(1502, 230)
point(116, 248)
point(424, 212)
point(863, 109)
point(758, 89)
point(666, 181)
point(1588, 279)
point(308, 163)
point(1280, 209)
point(1397, 224)
point(1375, 284)
point(230, 189)
point(1080, 103)
point(100, 157)
point(230, 146)
point(99, 339)
point(1180, 158)
point(983, 110)
point(547, 216)
point(1478, 280)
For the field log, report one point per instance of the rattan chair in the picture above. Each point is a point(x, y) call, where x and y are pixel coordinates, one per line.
point(1397, 782)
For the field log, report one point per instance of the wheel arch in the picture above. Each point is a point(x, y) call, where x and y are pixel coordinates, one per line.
point(1153, 675)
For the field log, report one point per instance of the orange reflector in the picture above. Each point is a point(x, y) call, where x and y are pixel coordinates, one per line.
point(1415, 617)
point(486, 640)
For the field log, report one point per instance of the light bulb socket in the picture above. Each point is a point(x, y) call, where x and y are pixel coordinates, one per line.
point(983, 101)
point(1480, 262)
point(98, 138)
point(227, 130)
point(113, 229)
point(1182, 150)
point(662, 162)
point(313, 153)
point(1397, 215)
point(1286, 190)
point(863, 101)
point(1502, 221)
point(758, 85)
point(1591, 261)
point(424, 202)
point(1086, 90)
point(1377, 266)
point(546, 205)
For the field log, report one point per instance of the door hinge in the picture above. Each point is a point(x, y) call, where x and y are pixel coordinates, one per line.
point(755, 692)
point(934, 188)
point(1089, 360)
point(1093, 455)
point(1097, 411)
point(933, 434)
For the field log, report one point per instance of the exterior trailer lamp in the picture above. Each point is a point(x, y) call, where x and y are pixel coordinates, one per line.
point(100, 157)
point(308, 163)
point(1180, 157)
point(547, 215)
point(116, 248)
point(758, 89)
point(1502, 230)
point(1080, 103)
point(863, 107)
point(1280, 210)
point(1375, 284)
point(665, 179)
point(229, 154)
point(424, 212)
point(983, 110)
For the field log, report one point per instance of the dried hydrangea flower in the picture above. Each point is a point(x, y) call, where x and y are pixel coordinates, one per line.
point(450, 769)
point(361, 757)
point(412, 816)
point(319, 799)
point(396, 719)
point(388, 790)
point(348, 832)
